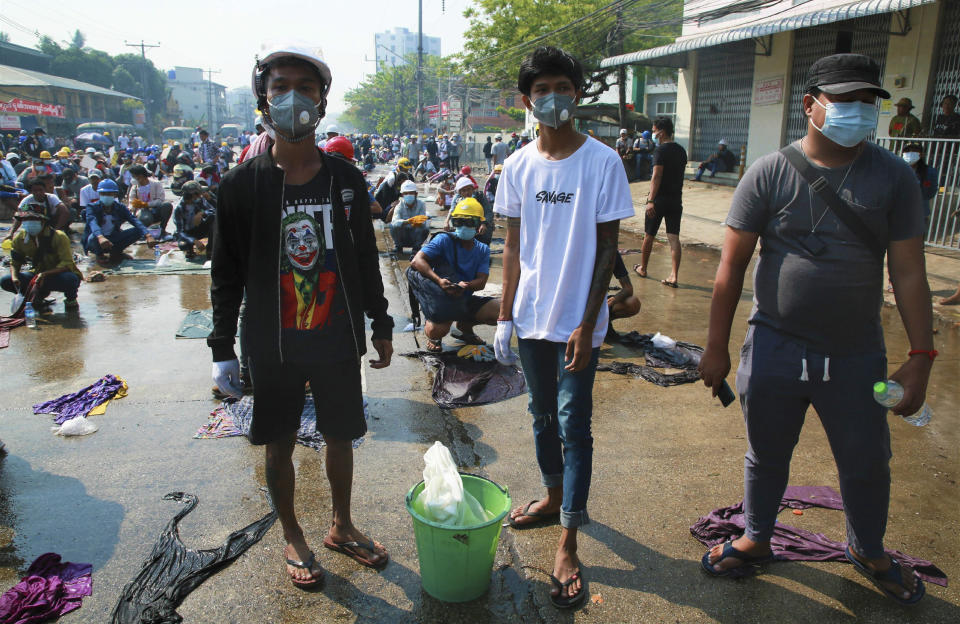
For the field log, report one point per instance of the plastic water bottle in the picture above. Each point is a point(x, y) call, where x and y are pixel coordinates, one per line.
point(30, 315)
point(157, 254)
point(888, 393)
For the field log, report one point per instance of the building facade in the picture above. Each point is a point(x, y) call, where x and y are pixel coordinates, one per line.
point(30, 98)
point(201, 102)
point(741, 75)
point(393, 46)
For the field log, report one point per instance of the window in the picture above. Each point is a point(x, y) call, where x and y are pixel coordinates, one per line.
point(667, 109)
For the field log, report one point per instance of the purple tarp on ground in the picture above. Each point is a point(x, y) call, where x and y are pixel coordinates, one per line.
point(793, 544)
point(82, 401)
point(49, 589)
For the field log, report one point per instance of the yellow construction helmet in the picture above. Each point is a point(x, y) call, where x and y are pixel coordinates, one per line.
point(45, 155)
point(405, 164)
point(468, 207)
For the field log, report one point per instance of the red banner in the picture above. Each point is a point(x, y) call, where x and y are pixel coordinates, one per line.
point(433, 111)
point(17, 105)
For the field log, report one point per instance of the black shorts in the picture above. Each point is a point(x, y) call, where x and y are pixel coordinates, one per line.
point(278, 398)
point(670, 210)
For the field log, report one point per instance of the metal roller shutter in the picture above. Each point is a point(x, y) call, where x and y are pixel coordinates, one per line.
point(870, 37)
point(724, 89)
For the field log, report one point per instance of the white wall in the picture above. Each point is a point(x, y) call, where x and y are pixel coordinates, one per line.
point(912, 59)
point(686, 95)
point(768, 121)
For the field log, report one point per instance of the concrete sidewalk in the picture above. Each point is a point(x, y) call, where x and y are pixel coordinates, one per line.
point(705, 207)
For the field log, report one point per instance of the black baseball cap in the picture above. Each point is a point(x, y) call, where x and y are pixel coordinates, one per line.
point(843, 73)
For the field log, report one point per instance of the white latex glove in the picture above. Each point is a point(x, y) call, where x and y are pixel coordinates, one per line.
point(501, 343)
point(226, 375)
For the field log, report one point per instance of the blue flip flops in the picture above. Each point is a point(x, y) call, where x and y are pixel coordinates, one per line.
point(746, 569)
point(893, 574)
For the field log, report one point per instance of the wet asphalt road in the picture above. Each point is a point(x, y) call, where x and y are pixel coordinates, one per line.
point(663, 457)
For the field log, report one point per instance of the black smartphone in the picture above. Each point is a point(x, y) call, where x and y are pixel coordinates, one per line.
point(726, 394)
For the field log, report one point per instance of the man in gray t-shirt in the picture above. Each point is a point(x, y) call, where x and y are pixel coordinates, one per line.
point(815, 336)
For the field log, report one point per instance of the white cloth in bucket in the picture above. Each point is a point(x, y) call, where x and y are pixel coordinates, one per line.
point(443, 499)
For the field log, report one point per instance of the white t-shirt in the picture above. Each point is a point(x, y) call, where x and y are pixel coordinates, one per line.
point(560, 203)
point(88, 195)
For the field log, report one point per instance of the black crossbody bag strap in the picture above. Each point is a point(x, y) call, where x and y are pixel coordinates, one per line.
point(839, 207)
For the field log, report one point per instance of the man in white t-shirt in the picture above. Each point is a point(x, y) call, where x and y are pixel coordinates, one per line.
point(563, 197)
point(88, 194)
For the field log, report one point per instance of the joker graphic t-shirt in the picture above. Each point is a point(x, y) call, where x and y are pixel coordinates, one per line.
point(315, 324)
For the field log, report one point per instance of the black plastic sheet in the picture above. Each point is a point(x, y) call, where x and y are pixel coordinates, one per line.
point(460, 382)
point(172, 571)
point(684, 356)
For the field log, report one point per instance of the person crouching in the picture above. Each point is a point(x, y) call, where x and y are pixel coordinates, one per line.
point(446, 273)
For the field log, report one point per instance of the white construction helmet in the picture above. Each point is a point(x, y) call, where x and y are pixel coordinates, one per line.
point(408, 186)
point(273, 53)
point(332, 128)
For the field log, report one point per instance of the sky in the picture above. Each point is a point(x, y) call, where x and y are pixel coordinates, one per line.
point(226, 36)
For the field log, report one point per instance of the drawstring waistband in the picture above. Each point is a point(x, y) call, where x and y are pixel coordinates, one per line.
point(805, 376)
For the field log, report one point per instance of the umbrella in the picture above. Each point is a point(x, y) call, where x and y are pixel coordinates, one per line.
point(93, 137)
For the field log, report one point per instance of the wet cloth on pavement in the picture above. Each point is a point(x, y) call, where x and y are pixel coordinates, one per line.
point(683, 356)
point(233, 419)
point(459, 381)
point(172, 570)
point(172, 266)
point(197, 324)
point(84, 402)
point(49, 589)
point(793, 544)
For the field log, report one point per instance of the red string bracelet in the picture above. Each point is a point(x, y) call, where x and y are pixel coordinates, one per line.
point(932, 353)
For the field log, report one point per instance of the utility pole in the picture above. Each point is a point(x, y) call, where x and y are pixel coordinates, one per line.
point(143, 82)
point(420, 67)
point(210, 73)
point(619, 29)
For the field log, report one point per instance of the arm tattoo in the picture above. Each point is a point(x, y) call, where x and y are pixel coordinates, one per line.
point(607, 237)
point(513, 223)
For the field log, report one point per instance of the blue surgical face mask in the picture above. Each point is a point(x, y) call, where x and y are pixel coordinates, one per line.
point(911, 158)
point(409, 199)
point(554, 109)
point(465, 233)
point(107, 200)
point(32, 227)
point(848, 123)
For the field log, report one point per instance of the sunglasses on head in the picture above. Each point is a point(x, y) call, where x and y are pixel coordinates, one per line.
point(465, 222)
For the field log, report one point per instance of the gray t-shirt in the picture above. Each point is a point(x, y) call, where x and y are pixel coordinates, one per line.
point(830, 301)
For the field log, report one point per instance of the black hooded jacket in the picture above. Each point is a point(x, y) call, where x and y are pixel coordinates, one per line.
point(247, 248)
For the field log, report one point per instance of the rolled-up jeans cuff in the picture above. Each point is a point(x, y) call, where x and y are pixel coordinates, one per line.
point(574, 519)
point(552, 481)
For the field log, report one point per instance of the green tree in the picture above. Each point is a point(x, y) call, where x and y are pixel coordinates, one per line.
point(78, 40)
point(502, 32)
point(123, 73)
point(387, 100)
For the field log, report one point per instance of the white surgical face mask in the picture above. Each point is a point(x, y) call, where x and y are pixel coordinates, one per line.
point(911, 158)
point(848, 123)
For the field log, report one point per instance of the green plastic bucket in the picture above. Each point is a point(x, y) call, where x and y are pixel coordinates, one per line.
point(455, 562)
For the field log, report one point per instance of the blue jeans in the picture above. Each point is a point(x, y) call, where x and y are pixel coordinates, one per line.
point(121, 239)
point(407, 235)
point(775, 400)
point(561, 403)
point(67, 282)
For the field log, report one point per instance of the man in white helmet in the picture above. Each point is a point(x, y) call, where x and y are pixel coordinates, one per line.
point(332, 131)
point(408, 221)
point(293, 231)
